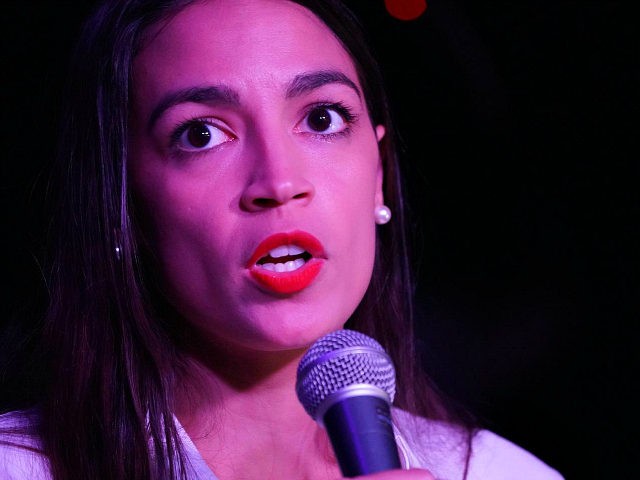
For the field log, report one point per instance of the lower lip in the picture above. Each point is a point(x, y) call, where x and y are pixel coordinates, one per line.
point(287, 282)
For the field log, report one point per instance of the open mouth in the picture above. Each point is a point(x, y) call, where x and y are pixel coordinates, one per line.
point(285, 258)
point(287, 263)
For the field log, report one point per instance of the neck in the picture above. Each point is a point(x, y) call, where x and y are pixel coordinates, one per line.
point(252, 384)
point(243, 415)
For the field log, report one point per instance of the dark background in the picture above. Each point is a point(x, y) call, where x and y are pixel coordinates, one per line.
point(520, 124)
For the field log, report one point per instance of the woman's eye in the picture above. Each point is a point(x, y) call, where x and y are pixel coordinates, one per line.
point(326, 120)
point(199, 135)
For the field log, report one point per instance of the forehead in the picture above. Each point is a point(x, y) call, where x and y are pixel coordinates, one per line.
point(238, 41)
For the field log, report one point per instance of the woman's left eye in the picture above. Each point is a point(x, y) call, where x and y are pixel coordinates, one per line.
point(327, 120)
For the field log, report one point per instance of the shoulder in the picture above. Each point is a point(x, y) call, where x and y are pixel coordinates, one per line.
point(442, 448)
point(21, 456)
point(496, 457)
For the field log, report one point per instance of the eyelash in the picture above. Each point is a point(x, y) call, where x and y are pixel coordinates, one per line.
point(183, 126)
point(343, 110)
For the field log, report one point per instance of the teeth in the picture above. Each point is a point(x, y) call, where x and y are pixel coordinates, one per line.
point(284, 267)
point(295, 250)
point(284, 250)
point(281, 251)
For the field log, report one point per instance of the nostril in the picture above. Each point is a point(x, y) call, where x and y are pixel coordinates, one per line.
point(264, 194)
point(265, 202)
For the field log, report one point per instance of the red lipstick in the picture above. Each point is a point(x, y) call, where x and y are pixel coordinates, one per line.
point(302, 265)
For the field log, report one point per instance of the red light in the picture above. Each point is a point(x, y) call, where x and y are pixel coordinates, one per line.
point(406, 9)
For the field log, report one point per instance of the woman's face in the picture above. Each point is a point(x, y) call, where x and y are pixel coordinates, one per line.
point(254, 160)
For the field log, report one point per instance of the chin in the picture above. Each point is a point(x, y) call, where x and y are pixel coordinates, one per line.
point(298, 333)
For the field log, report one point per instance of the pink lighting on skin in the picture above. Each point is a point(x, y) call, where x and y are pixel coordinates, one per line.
point(265, 167)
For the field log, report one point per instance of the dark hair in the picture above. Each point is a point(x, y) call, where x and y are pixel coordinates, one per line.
point(112, 362)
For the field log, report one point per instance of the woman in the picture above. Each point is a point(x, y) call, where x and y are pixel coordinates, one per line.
point(228, 174)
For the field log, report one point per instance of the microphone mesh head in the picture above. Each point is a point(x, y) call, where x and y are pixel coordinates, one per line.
point(340, 359)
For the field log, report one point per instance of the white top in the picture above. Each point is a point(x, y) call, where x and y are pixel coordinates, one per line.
point(435, 446)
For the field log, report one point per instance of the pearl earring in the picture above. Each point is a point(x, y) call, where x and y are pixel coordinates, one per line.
point(382, 214)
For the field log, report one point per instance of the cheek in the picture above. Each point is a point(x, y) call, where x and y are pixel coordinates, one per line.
point(187, 245)
point(157, 206)
point(360, 191)
point(181, 223)
point(169, 196)
point(176, 214)
point(354, 213)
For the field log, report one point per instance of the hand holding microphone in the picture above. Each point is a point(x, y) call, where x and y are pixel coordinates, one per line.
point(346, 382)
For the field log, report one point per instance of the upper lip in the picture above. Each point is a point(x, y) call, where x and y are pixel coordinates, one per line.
point(297, 237)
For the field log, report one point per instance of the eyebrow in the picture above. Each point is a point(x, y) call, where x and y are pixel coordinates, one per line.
point(222, 94)
point(208, 94)
point(307, 82)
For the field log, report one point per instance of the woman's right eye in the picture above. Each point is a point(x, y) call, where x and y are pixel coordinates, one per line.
point(198, 136)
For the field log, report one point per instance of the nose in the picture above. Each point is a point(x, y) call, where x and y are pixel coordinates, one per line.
point(278, 179)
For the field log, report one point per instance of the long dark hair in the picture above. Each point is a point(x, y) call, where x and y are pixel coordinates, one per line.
point(107, 402)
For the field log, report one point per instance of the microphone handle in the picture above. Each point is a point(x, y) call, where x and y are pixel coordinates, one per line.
point(361, 434)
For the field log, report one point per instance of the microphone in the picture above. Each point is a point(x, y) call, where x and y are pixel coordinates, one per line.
point(346, 382)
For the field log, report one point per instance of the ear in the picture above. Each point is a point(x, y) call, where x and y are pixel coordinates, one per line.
point(379, 198)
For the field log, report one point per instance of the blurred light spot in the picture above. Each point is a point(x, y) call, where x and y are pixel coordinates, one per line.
point(406, 9)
